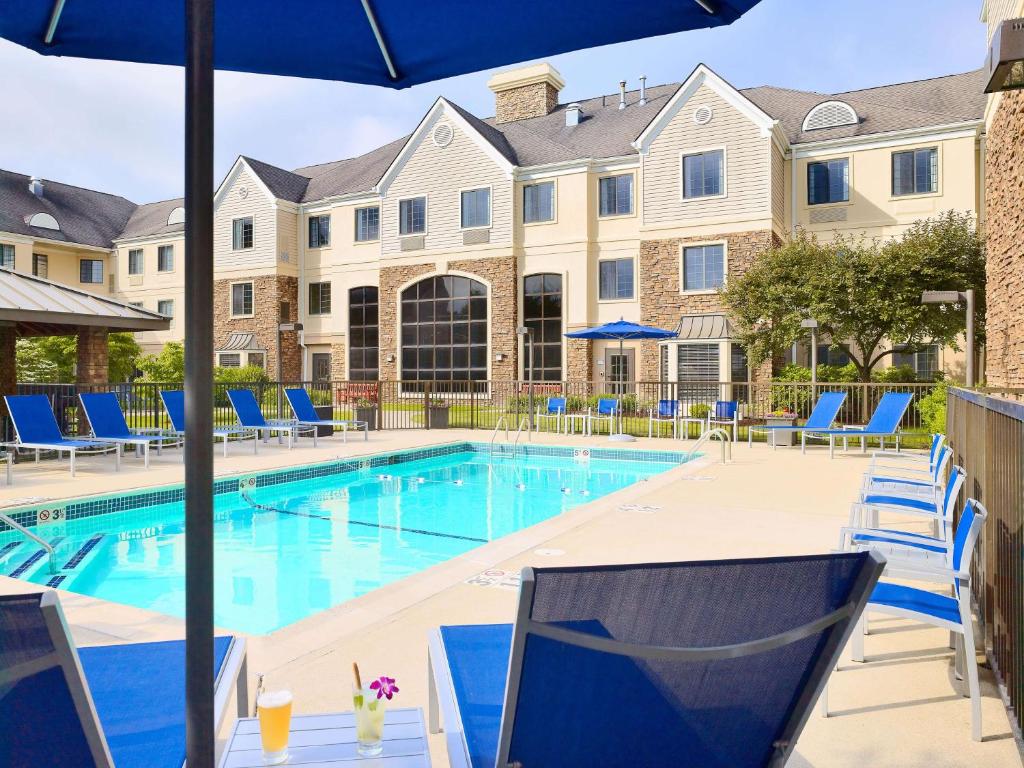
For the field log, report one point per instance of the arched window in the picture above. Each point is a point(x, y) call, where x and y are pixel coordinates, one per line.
point(542, 311)
point(362, 333)
point(444, 330)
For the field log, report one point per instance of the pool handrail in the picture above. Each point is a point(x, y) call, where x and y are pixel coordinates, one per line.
point(47, 546)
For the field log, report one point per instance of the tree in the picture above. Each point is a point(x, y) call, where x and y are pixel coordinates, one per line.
point(865, 295)
point(167, 367)
point(52, 359)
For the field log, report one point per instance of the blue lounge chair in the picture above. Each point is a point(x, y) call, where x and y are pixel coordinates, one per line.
point(555, 410)
point(109, 705)
point(951, 612)
point(885, 422)
point(305, 414)
point(107, 422)
point(726, 413)
point(251, 417)
point(822, 416)
point(35, 427)
point(174, 404)
point(663, 664)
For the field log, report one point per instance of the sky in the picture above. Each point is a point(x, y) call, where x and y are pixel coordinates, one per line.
point(119, 127)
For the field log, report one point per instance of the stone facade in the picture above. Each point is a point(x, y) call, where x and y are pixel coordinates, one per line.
point(533, 100)
point(1004, 235)
point(8, 364)
point(662, 304)
point(93, 356)
point(579, 359)
point(269, 292)
point(339, 365)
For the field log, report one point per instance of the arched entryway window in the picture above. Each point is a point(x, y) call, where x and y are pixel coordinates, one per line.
point(363, 331)
point(542, 311)
point(444, 330)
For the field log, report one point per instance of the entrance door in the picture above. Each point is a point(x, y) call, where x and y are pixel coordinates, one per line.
point(619, 369)
point(321, 366)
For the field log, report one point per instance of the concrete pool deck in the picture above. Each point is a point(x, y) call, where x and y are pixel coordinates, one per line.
point(899, 709)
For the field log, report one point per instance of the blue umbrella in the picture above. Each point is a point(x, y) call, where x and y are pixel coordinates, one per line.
point(394, 43)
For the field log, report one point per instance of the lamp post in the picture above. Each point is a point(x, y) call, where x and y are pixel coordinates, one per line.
point(282, 328)
point(955, 297)
point(813, 325)
point(527, 333)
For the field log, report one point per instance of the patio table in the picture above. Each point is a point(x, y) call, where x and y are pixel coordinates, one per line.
point(570, 420)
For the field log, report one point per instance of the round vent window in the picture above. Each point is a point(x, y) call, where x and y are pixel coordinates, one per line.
point(702, 115)
point(243, 192)
point(443, 134)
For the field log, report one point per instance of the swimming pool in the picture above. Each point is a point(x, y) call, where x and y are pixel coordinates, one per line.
point(291, 543)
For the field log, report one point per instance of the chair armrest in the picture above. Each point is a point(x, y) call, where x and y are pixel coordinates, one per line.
point(902, 455)
point(894, 537)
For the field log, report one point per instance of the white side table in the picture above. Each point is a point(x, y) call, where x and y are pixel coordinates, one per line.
point(329, 741)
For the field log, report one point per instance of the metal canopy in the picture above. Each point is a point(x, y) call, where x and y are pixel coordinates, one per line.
point(712, 326)
point(238, 341)
point(38, 307)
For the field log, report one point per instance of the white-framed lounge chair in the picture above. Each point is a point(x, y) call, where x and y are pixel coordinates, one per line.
point(822, 416)
point(946, 611)
point(725, 413)
point(107, 422)
point(174, 404)
point(938, 508)
point(250, 417)
point(555, 409)
point(35, 428)
point(884, 422)
point(305, 415)
point(109, 705)
point(648, 665)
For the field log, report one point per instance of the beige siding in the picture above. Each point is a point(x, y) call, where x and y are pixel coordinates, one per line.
point(440, 174)
point(746, 166)
point(262, 256)
point(778, 182)
point(152, 287)
point(288, 241)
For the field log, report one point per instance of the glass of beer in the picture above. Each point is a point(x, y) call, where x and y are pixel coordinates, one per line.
point(275, 713)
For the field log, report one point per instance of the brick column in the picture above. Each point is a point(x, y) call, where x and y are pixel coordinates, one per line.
point(93, 356)
point(8, 365)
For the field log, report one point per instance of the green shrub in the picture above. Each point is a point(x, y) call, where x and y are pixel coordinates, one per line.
point(932, 408)
point(896, 374)
point(700, 410)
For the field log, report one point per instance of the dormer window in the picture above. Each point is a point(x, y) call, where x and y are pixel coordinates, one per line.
point(43, 221)
point(177, 216)
point(830, 114)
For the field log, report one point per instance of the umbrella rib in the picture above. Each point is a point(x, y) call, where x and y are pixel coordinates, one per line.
point(708, 5)
point(51, 28)
point(370, 17)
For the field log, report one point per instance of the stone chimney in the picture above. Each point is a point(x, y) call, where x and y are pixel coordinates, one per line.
point(525, 92)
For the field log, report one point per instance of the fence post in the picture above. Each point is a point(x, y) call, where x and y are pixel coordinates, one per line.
point(426, 405)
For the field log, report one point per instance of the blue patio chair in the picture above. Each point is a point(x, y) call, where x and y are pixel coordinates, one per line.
point(555, 409)
point(174, 404)
point(110, 705)
point(821, 417)
point(243, 401)
point(306, 415)
point(35, 427)
point(951, 612)
point(726, 413)
point(902, 479)
point(938, 508)
point(607, 413)
point(667, 412)
point(910, 462)
point(107, 422)
point(885, 422)
point(659, 664)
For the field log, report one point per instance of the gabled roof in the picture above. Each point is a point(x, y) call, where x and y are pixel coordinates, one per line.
point(150, 219)
point(284, 185)
point(85, 216)
point(356, 174)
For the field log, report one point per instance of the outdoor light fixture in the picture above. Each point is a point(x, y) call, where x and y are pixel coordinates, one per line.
point(527, 334)
point(955, 297)
point(1005, 62)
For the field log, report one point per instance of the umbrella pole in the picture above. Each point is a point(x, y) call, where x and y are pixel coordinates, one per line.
point(199, 705)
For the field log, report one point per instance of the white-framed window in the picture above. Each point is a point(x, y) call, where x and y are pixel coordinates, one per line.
point(703, 174)
point(241, 299)
point(137, 304)
point(615, 195)
point(6, 256)
point(165, 307)
point(698, 366)
point(615, 279)
point(915, 171)
point(412, 216)
point(256, 359)
point(319, 298)
point(229, 360)
point(40, 265)
point(320, 231)
point(90, 271)
point(367, 224)
point(475, 207)
point(828, 181)
point(703, 267)
point(136, 262)
point(539, 202)
point(925, 362)
point(165, 258)
point(241, 233)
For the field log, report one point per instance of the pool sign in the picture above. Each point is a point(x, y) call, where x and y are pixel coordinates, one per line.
point(581, 454)
point(51, 515)
point(247, 483)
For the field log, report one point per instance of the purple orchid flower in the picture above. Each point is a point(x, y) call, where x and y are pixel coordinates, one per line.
point(384, 686)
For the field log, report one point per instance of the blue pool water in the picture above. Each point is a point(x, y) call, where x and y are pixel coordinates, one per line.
point(286, 551)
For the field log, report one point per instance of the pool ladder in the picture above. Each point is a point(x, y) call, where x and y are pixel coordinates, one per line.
point(722, 435)
point(27, 533)
point(502, 421)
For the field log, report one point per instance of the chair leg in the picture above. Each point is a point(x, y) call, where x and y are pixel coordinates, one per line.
point(72, 452)
point(973, 686)
point(857, 640)
point(823, 701)
point(145, 453)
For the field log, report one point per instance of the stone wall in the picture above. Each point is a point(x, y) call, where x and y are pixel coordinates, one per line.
point(579, 359)
point(661, 303)
point(533, 100)
point(268, 293)
point(391, 280)
point(93, 356)
point(339, 365)
point(1004, 240)
point(8, 365)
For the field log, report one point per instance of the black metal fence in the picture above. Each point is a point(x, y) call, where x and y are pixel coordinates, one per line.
point(485, 404)
point(986, 431)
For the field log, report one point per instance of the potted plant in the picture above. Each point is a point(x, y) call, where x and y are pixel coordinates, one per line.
point(781, 417)
point(366, 410)
point(437, 414)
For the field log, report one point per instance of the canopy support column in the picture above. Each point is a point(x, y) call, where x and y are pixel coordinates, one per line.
point(199, 704)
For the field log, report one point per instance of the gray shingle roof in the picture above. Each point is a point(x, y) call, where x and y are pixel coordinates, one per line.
point(284, 185)
point(84, 215)
point(356, 174)
point(151, 219)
